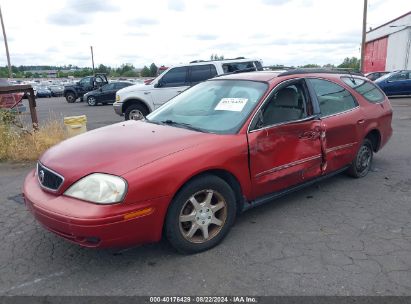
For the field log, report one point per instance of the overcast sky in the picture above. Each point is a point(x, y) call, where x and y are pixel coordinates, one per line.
point(289, 32)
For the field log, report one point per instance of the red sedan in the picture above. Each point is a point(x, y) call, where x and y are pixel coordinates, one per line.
point(217, 149)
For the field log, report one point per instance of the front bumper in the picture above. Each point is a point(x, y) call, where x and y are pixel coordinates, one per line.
point(92, 225)
point(118, 108)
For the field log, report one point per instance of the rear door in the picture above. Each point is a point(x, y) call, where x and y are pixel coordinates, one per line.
point(200, 73)
point(284, 140)
point(172, 83)
point(342, 120)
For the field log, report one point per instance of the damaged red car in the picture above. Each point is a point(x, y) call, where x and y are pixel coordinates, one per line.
point(217, 149)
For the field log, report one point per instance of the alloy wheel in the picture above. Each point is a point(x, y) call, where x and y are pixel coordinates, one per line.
point(136, 115)
point(364, 158)
point(203, 216)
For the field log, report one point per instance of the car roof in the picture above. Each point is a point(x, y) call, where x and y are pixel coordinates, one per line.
point(213, 62)
point(268, 76)
point(255, 76)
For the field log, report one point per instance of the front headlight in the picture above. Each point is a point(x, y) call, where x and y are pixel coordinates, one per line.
point(117, 97)
point(99, 188)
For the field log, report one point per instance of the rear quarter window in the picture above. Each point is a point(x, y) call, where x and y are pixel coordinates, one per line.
point(365, 88)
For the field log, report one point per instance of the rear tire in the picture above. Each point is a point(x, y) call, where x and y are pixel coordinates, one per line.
point(361, 165)
point(135, 112)
point(200, 215)
point(70, 97)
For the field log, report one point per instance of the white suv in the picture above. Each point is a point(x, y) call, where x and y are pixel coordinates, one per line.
point(136, 101)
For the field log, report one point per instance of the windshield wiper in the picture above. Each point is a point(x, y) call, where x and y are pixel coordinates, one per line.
point(182, 124)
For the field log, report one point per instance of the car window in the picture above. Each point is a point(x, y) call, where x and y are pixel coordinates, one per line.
point(287, 104)
point(109, 86)
point(200, 73)
point(237, 66)
point(399, 76)
point(332, 98)
point(175, 77)
point(85, 81)
point(99, 81)
point(258, 65)
point(367, 89)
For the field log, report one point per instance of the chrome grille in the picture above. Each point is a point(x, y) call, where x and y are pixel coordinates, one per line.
point(48, 179)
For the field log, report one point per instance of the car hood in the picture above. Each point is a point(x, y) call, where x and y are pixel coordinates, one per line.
point(119, 148)
point(136, 87)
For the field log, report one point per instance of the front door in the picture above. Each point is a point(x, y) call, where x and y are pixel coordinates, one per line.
point(106, 93)
point(397, 84)
point(285, 141)
point(172, 83)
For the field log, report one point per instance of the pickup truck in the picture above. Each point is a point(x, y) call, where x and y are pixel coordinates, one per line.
point(86, 84)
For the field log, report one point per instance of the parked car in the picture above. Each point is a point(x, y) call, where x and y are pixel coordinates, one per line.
point(43, 91)
point(11, 101)
point(375, 75)
point(56, 90)
point(86, 84)
point(135, 102)
point(217, 149)
point(106, 94)
point(395, 83)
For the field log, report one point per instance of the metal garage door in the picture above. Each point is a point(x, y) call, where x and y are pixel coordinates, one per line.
point(375, 55)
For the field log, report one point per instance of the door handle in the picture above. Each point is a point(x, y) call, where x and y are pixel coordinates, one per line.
point(361, 121)
point(146, 93)
point(179, 92)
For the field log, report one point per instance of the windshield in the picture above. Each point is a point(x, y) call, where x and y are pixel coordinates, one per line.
point(216, 106)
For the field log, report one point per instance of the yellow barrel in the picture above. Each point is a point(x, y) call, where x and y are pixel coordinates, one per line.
point(75, 124)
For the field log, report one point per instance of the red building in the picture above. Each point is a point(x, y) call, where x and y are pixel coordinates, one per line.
point(388, 47)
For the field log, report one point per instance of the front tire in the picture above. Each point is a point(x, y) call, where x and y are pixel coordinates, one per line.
point(91, 101)
point(135, 112)
point(200, 215)
point(70, 97)
point(361, 165)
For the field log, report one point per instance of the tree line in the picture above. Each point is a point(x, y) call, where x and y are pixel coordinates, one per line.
point(128, 70)
point(125, 70)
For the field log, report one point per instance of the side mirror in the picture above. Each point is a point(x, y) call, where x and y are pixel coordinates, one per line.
point(101, 89)
point(159, 84)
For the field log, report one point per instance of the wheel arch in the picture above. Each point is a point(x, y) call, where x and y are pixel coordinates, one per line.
point(131, 101)
point(226, 176)
point(70, 91)
point(374, 136)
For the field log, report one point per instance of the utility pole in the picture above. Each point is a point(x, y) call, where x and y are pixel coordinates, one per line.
point(364, 31)
point(92, 58)
point(6, 45)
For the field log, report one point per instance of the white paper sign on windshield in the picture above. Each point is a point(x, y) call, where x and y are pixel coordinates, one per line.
point(231, 104)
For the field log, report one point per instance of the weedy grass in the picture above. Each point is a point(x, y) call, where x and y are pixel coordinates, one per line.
point(18, 143)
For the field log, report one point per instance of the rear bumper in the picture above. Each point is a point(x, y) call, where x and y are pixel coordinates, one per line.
point(107, 228)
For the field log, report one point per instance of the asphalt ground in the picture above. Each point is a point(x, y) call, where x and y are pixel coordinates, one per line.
point(58, 108)
point(342, 236)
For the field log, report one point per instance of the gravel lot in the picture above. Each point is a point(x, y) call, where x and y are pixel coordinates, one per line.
point(339, 237)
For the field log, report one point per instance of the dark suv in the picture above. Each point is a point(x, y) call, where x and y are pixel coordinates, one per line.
point(86, 84)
